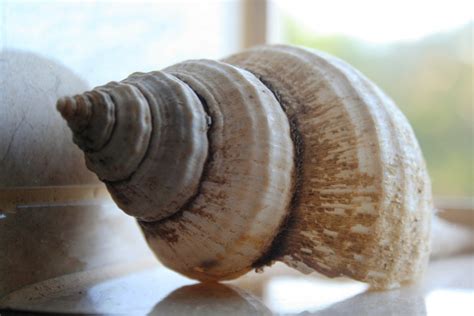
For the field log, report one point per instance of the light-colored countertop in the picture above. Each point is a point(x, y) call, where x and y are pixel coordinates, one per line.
point(145, 288)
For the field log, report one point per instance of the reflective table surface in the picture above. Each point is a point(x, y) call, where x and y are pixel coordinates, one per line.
point(142, 288)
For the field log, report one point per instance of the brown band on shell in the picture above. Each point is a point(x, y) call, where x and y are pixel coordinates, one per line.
point(274, 251)
point(350, 179)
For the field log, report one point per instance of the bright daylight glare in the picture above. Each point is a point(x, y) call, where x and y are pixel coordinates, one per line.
point(379, 21)
point(418, 52)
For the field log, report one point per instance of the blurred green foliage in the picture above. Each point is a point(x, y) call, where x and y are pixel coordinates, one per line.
point(431, 81)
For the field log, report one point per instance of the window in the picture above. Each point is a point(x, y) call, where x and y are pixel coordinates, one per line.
point(418, 52)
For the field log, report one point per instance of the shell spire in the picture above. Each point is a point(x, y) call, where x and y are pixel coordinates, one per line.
point(101, 128)
point(90, 116)
point(113, 125)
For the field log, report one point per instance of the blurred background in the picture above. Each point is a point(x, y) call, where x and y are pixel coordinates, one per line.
point(419, 52)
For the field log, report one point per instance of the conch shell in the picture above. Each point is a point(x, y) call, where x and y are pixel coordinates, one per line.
point(275, 153)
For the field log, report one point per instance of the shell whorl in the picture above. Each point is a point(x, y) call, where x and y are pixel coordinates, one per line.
point(101, 128)
point(275, 153)
point(248, 185)
point(364, 202)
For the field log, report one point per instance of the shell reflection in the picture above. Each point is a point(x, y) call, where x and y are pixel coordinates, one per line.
point(209, 299)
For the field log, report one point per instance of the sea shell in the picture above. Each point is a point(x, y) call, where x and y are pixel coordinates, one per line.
point(53, 222)
point(275, 153)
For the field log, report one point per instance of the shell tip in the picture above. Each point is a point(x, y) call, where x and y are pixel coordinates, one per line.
point(67, 107)
point(75, 110)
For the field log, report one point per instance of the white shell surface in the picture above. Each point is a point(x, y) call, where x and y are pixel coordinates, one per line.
point(246, 187)
point(363, 204)
point(57, 234)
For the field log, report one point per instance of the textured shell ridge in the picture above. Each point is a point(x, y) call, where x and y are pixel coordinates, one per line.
point(209, 216)
point(364, 188)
